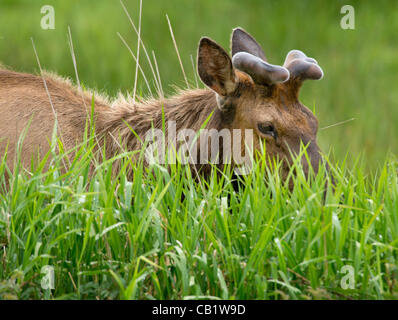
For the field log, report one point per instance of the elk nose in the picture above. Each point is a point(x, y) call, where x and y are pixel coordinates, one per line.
point(312, 159)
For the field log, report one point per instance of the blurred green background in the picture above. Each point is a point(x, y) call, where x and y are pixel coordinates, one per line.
point(360, 65)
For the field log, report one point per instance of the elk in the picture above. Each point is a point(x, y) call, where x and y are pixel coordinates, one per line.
point(243, 92)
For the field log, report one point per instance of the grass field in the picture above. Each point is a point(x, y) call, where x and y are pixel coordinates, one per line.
point(166, 236)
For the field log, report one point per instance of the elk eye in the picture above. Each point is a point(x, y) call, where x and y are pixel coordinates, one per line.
point(267, 129)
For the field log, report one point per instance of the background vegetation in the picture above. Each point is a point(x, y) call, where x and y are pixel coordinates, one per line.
point(164, 235)
point(360, 65)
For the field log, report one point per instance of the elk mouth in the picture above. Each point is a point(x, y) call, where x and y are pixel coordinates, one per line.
point(309, 164)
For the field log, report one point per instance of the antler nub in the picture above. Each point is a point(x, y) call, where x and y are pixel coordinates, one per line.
point(302, 67)
point(260, 71)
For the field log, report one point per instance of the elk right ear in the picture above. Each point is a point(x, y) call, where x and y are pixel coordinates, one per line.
point(215, 67)
point(242, 41)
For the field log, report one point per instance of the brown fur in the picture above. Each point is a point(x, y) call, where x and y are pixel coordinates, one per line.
point(24, 100)
point(235, 100)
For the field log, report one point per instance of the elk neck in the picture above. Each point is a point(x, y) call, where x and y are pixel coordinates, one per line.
point(189, 109)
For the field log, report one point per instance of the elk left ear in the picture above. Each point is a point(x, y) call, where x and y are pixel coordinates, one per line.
point(215, 67)
point(242, 41)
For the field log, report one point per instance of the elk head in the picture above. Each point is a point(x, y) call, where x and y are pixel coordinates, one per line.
point(253, 94)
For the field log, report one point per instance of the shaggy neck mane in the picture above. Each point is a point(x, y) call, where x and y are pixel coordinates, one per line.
point(189, 109)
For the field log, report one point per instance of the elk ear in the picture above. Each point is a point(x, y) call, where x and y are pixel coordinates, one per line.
point(242, 41)
point(215, 67)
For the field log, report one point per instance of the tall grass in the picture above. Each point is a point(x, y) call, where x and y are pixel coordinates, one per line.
point(164, 235)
